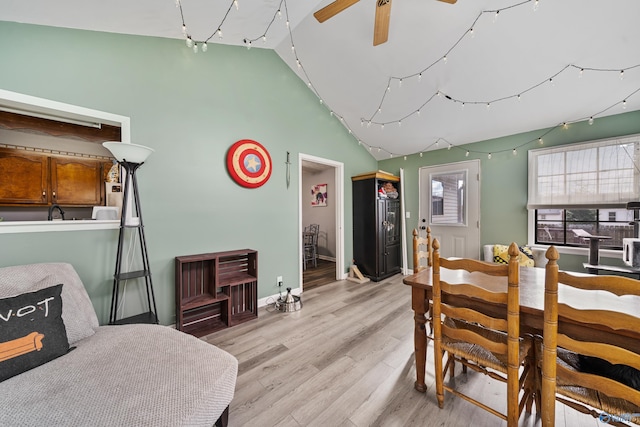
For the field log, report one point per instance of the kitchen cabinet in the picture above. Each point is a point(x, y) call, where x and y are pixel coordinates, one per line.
point(38, 179)
point(25, 178)
point(76, 181)
point(376, 225)
point(216, 290)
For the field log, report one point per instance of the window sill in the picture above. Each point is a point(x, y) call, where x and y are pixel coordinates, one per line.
point(12, 227)
point(605, 253)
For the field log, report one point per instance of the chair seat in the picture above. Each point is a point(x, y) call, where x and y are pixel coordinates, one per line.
point(479, 354)
point(569, 360)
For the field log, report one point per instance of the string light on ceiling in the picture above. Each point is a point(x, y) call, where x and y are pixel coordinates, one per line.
point(248, 42)
point(193, 43)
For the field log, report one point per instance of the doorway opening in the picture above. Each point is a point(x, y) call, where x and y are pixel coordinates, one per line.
point(321, 202)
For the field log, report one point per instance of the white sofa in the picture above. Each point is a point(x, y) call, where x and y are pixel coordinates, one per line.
point(128, 375)
point(539, 258)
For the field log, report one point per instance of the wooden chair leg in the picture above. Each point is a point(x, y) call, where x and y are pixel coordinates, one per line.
point(439, 373)
point(451, 366)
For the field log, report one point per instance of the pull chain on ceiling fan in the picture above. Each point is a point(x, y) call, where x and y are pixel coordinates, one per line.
point(383, 13)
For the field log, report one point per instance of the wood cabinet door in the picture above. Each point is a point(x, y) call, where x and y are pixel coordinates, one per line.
point(23, 178)
point(76, 181)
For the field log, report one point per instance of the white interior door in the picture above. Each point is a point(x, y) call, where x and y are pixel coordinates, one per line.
point(450, 205)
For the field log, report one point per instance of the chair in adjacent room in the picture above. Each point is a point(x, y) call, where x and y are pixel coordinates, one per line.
point(309, 249)
point(313, 228)
point(482, 333)
point(594, 377)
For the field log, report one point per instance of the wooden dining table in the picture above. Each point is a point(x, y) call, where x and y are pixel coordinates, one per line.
point(531, 309)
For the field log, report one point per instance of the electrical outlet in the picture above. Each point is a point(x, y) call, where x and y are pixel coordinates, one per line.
point(279, 280)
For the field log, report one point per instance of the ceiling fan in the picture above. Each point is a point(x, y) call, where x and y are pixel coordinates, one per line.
point(383, 13)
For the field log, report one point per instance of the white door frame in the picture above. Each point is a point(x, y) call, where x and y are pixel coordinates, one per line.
point(339, 212)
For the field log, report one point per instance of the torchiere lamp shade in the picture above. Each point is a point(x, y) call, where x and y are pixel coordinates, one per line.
point(131, 153)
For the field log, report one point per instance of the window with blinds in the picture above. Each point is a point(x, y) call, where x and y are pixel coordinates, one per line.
point(584, 187)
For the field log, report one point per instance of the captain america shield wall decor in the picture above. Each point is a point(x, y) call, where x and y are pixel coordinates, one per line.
point(249, 163)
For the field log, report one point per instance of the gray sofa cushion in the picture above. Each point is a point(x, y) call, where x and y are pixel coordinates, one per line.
point(78, 314)
point(129, 375)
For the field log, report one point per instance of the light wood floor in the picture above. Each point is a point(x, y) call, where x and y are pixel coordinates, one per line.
point(346, 359)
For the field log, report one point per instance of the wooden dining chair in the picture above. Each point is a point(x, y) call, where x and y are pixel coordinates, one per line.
point(589, 376)
point(422, 258)
point(486, 341)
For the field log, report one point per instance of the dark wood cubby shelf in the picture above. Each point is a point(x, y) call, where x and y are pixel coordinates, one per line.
point(216, 290)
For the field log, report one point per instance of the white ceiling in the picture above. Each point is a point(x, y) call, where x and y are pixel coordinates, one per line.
point(517, 53)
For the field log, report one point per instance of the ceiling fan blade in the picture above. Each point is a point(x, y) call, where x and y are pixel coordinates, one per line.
point(449, 1)
point(381, 26)
point(332, 9)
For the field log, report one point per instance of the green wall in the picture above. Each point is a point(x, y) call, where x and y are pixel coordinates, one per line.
point(190, 108)
point(503, 193)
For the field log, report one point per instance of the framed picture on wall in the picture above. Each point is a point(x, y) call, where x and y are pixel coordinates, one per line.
point(319, 195)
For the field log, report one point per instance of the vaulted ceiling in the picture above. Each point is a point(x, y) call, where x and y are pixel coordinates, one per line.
point(449, 74)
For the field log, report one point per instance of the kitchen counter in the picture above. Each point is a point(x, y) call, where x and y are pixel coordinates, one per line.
point(56, 225)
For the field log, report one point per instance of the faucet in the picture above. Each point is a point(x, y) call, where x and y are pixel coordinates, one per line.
point(51, 209)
